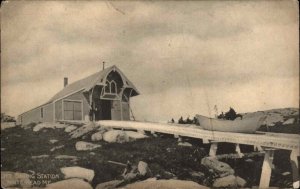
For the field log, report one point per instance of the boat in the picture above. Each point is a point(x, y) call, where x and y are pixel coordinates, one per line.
point(246, 125)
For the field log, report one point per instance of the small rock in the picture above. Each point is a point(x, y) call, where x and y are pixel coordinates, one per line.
point(92, 153)
point(197, 174)
point(185, 144)
point(78, 172)
point(115, 136)
point(109, 185)
point(84, 137)
point(249, 160)
point(285, 173)
point(240, 181)
point(2, 149)
point(130, 176)
point(130, 173)
point(296, 184)
point(70, 128)
point(151, 179)
point(73, 183)
point(143, 168)
point(229, 181)
point(65, 157)
point(223, 169)
point(53, 141)
point(57, 147)
point(40, 156)
point(82, 146)
point(169, 175)
point(97, 136)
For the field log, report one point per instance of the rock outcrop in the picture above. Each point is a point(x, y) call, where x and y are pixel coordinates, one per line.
point(229, 181)
point(109, 185)
point(74, 183)
point(78, 172)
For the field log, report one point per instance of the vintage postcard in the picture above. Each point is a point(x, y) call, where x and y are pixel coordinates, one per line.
point(150, 94)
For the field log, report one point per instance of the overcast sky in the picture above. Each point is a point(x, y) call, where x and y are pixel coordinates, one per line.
point(184, 57)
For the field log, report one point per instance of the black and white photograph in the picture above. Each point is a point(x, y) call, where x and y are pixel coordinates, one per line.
point(155, 94)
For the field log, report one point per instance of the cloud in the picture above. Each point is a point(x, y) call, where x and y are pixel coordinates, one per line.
point(166, 48)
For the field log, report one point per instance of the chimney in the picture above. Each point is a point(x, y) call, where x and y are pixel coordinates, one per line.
point(103, 65)
point(65, 81)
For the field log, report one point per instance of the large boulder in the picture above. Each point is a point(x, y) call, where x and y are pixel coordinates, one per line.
point(115, 136)
point(109, 185)
point(82, 146)
point(135, 135)
point(229, 181)
point(165, 184)
point(221, 168)
point(83, 130)
point(78, 172)
point(49, 125)
point(11, 179)
point(74, 183)
point(97, 136)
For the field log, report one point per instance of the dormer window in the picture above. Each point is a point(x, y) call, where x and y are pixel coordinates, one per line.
point(111, 87)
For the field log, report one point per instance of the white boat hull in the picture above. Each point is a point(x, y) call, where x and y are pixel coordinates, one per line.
point(248, 125)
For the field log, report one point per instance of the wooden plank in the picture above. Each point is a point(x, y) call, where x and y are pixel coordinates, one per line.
point(236, 156)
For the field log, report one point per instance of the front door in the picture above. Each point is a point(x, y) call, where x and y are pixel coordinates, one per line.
point(105, 109)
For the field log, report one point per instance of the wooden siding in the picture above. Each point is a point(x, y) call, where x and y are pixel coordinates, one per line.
point(126, 113)
point(58, 110)
point(116, 113)
point(48, 113)
point(35, 115)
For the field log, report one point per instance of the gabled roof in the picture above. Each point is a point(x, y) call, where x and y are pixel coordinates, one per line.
point(89, 82)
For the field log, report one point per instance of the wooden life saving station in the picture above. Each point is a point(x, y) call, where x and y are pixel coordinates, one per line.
point(266, 142)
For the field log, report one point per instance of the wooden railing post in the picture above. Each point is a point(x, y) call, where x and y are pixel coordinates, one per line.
point(266, 168)
point(213, 149)
point(238, 150)
point(295, 168)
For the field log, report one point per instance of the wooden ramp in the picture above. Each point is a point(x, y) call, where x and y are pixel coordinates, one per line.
point(267, 141)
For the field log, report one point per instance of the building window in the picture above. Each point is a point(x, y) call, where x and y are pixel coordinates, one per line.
point(72, 110)
point(111, 87)
point(42, 112)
